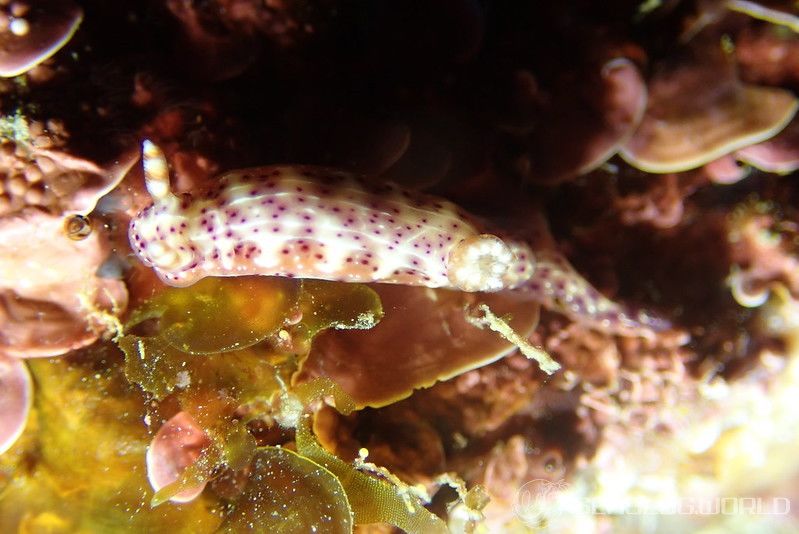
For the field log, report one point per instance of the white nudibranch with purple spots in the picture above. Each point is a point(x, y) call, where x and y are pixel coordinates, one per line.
point(310, 222)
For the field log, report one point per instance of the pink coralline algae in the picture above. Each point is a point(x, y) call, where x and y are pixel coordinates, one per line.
point(306, 222)
point(176, 445)
point(16, 394)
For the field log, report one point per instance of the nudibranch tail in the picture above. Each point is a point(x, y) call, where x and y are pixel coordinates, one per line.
point(559, 287)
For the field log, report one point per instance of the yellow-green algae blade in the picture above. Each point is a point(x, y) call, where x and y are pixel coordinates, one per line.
point(160, 369)
point(321, 387)
point(153, 364)
point(222, 314)
point(372, 500)
point(337, 305)
point(84, 468)
point(288, 493)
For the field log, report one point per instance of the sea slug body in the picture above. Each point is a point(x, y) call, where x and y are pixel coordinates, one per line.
point(310, 222)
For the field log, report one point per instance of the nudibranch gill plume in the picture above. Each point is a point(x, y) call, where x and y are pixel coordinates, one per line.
point(311, 222)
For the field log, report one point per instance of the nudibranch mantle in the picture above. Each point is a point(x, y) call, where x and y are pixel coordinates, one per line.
point(316, 223)
point(311, 222)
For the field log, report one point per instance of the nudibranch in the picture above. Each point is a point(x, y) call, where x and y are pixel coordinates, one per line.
point(311, 222)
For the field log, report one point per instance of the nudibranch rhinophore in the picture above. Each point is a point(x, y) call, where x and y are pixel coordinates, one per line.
point(310, 222)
